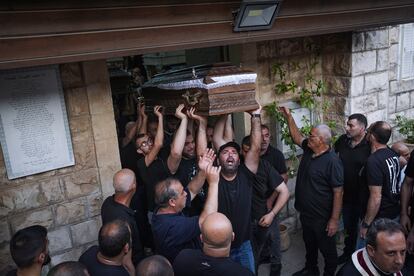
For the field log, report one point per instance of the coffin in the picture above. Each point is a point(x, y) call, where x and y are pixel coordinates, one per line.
point(213, 89)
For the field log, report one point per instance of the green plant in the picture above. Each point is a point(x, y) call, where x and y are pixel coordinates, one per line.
point(308, 96)
point(405, 127)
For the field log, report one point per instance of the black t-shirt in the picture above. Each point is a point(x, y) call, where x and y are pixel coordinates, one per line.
point(156, 172)
point(95, 268)
point(12, 272)
point(353, 160)
point(235, 201)
point(112, 210)
point(186, 171)
point(129, 157)
point(265, 182)
point(383, 169)
point(317, 176)
point(175, 232)
point(193, 262)
point(276, 158)
point(409, 171)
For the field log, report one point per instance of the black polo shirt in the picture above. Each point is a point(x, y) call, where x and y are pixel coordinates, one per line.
point(353, 160)
point(112, 210)
point(265, 182)
point(235, 201)
point(317, 176)
point(95, 268)
point(157, 171)
point(276, 158)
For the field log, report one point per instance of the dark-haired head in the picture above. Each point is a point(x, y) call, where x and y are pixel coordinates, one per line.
point(69, 269)
point(28, 245)
point(156, 265)
point(113, 237)
point(381, 131)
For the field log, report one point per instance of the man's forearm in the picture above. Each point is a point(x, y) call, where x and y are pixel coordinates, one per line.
point(211, 204)
point(372, 208)
point(337, 203)
point(255, 133)
point(295, 133)
point(282, 198)
point(201, 138)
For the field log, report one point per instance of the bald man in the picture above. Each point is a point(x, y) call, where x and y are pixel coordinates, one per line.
point(318, 195)
point(216, 235)
point(117, 207)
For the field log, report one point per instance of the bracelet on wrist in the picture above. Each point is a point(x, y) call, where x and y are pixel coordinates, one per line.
point(256, 115)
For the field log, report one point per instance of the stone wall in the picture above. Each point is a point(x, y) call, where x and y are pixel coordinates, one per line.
point(67, 201)
point(376, 89)
point(332, 54)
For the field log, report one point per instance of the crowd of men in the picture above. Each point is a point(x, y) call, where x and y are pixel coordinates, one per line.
point(207, 206)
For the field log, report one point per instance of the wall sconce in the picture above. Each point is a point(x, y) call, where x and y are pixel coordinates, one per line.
point(256, 15)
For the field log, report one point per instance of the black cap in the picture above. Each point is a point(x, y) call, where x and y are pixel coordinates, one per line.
point(229, 144)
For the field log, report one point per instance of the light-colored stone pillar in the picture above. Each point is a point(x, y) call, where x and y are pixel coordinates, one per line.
point(98, 89)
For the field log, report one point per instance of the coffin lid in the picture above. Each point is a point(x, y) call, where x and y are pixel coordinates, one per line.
point(202, 76)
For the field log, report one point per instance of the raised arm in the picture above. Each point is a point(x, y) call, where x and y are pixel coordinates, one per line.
point(201, 140)
point(177, 144)
point(159, 138)
point(211, 205)
point(297, 136)
point(252, 156)
point(218, 134)
point(228, 134)
point(144, 120)
point(197, 182)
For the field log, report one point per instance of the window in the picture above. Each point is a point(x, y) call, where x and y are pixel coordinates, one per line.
point(406, 68)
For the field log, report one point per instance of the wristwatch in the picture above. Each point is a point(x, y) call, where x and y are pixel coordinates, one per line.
point(365, 225)
point(256, 115)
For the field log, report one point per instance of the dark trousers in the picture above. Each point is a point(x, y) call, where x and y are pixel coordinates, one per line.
point(141, 218)
point(266, 240)
point(350, 217)
point(315, 237)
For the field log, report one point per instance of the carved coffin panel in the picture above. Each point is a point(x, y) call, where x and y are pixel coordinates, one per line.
point(213, 89)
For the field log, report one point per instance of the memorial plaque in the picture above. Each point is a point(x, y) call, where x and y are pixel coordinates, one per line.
point(213, 89)
point(34, 130)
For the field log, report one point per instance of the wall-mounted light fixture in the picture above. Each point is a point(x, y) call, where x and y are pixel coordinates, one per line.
point(256, 15)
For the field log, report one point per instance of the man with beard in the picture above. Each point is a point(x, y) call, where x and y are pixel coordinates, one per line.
point(29, 250)
point(353, 150)
point(382, 194)
point(318, 195)
point(235, 190)
point(187, 170)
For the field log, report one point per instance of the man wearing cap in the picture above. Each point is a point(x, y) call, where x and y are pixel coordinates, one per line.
point(235, 191)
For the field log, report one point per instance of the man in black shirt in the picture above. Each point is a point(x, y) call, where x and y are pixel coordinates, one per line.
point(113, 256)
point(318, 195)
point(407, 199)
point(353, 150)
point(384, 253)
point(264, 221)
point(382, 173)
point(217, 235)
point(173, 231)
point(29, 251)
point(117, 207)
point(274, 156)
point(155, 265)
point(235, 189)
point(153, 168)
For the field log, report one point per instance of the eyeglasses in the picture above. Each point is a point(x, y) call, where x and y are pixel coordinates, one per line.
point(146, 143)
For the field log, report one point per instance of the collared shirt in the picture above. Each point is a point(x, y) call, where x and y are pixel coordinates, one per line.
point(317, 176)
point(353, 159)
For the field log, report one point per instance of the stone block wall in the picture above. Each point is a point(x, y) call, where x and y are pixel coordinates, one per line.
point(376, 89)
point(67, 201)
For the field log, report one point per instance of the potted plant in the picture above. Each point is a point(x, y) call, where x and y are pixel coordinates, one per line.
point(405, 127)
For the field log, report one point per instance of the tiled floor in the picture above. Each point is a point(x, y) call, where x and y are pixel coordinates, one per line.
point(293, 259)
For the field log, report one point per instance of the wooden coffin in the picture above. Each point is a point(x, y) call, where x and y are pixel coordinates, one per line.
point(213, 89)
